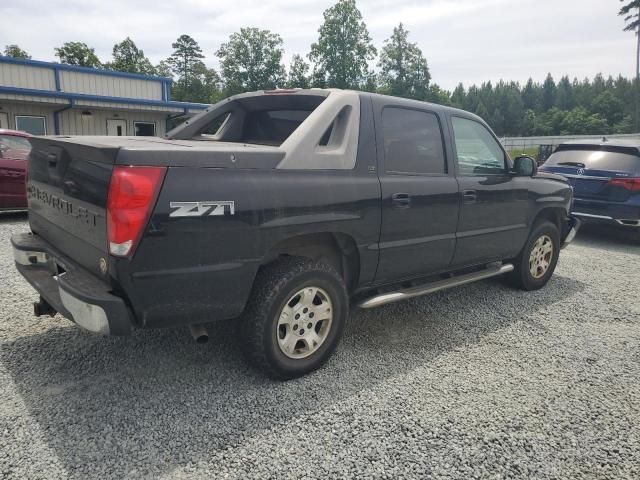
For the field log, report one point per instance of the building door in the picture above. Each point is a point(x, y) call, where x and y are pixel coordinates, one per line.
point(116, 127)
point(4, 120)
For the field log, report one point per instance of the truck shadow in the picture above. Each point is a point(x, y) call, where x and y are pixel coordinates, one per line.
point(13, 216)
point(139, 403)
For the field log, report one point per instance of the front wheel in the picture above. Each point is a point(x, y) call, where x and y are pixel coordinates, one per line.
point(537, 261)
point(295, 317)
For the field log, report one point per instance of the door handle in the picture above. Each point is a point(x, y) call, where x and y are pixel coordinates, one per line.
point(469, 196)
point(401, 200)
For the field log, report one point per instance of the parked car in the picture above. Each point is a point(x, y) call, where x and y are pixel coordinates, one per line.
point(277, 208)
point(14, 149)
point(605, 176)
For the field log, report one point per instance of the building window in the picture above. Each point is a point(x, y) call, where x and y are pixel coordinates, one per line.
point(144, 129)
point(31, 124)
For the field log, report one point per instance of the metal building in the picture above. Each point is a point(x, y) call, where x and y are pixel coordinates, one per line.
point(46, 98)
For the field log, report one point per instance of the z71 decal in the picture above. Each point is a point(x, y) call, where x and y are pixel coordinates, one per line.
point(201, 209)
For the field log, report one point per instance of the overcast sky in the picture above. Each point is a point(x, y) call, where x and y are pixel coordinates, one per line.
point(467, 41)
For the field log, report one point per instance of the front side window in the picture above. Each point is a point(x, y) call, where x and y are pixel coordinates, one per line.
point(479, 153)
point(144, 129)
point(32, 125)
point(412, 142)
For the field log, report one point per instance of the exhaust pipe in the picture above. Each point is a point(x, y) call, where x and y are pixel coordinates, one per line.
point(199, 333)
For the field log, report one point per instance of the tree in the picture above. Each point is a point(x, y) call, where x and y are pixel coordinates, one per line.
point(564, 97)
point(16, 52)
point(458, 96)
point(631, 13)
point(549, 91)
point(251, 60)
point(404, 70)
point(298, 73)
point(344, 47)
point(184, 62)
point(78, 53)
point(127, 57)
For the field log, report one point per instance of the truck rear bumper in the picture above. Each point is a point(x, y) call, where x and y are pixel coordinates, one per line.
point(68, 288)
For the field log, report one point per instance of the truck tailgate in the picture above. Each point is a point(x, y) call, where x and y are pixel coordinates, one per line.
point(67, 193)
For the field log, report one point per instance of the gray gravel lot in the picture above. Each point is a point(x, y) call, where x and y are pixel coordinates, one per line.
point(478, 382)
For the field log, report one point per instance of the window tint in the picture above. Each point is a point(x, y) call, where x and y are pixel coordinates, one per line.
point(144, 129)
point(272, 127)
point(14, 143)
point(479, 153)
point(412, 142)
point(33, 125)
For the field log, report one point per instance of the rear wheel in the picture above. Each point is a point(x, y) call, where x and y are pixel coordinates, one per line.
point(537, 261)
point(295, 317)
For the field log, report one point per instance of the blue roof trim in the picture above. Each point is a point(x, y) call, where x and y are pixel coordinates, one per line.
point(76, 68)
point(102, 98)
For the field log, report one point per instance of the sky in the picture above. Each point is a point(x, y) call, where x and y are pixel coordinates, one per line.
point(468, 41)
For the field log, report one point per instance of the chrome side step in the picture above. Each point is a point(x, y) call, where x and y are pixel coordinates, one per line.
point(412, 292)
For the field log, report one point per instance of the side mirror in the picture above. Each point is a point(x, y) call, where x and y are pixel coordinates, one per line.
point(525, 166)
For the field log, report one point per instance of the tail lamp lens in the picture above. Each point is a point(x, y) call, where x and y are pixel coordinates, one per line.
point(133, 192)
point(631, 184)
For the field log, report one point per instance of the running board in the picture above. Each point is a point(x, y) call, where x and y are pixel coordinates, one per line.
point(412, 292)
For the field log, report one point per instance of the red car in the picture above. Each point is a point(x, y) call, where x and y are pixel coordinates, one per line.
point(14, 149)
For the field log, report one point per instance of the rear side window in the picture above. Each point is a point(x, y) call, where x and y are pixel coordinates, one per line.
point(478, 151)
point(596, 160)
point(272, 127)
point(412, 142)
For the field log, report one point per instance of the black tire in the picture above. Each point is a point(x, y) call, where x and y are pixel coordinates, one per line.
point(273, 288)
point(522, 277)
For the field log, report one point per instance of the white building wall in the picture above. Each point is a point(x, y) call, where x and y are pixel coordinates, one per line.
point(13, 109)
point(26, 76)
point(72, 122)
point(109, 86)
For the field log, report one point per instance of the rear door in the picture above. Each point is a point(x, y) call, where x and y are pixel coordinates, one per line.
point(419, 192)
point(493, 210)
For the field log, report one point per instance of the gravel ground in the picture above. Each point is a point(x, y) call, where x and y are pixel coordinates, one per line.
point(477, 382)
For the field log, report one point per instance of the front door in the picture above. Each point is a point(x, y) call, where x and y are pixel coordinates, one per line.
point(4, 120)
point(419, 194)
point(116, 127)
point(493, 203)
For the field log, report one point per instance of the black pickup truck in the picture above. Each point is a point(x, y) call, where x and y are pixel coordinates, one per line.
point(283, 209)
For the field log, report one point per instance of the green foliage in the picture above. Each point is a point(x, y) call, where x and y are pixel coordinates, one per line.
point(404, 70)
point(298, 73)
point(185, 62)
point(16, 52)
point(631, 13)
point(344, 48)
point(251, 60)
point(127, 57)
point(195, 82)
point(78, 53)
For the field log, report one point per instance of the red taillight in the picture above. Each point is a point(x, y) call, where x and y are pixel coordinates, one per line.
point(631, 184)
point(132, 194)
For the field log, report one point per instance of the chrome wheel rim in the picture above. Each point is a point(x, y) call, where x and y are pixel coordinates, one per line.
point(540, 257)
point(304, 322)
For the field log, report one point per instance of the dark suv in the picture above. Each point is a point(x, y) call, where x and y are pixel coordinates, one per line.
point(605, 176)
